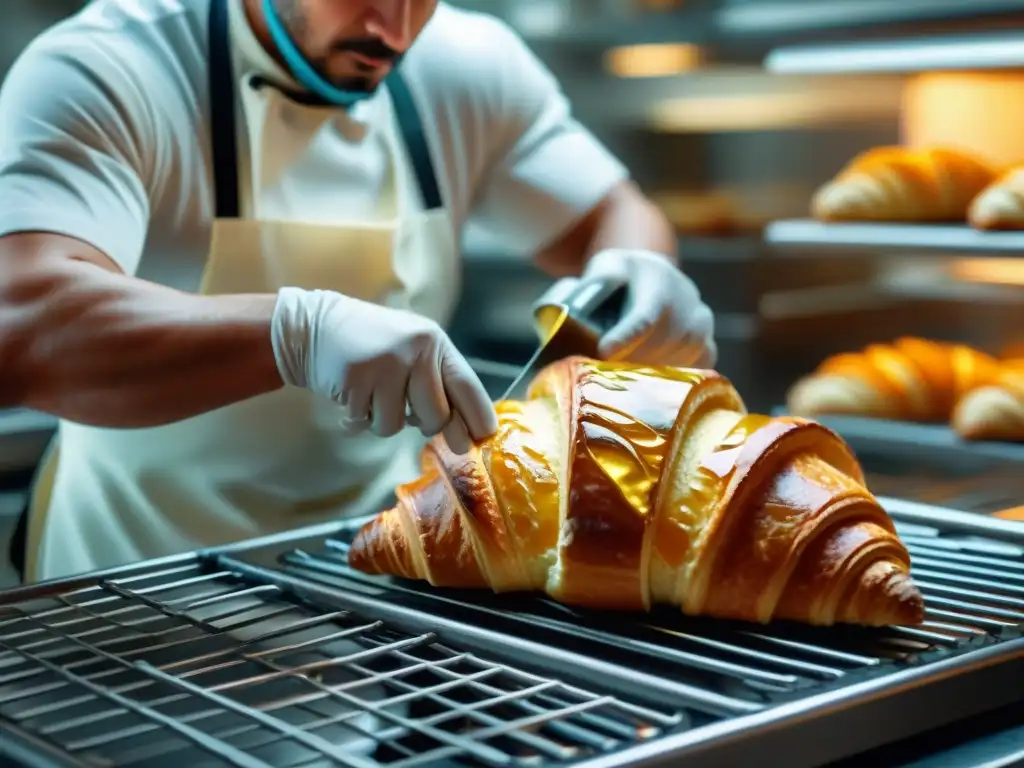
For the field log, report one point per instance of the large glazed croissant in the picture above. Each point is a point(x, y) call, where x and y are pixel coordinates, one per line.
point(617, 487)
point(1001, 205)
point(897, 184)
point(994, 411)
point(911, 379)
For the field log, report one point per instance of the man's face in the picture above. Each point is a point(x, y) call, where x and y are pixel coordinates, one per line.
point(353, 44)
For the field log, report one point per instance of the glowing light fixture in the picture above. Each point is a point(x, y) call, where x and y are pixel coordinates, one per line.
point(653, 60)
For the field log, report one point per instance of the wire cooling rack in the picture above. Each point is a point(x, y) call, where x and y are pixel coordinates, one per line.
point(180, 667)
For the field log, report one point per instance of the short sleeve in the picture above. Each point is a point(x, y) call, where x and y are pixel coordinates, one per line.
point(69, 158)
point(546, 169)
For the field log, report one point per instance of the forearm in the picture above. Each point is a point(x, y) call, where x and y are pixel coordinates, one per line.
point(102, 348)
point(624, 219)
point(631, 221)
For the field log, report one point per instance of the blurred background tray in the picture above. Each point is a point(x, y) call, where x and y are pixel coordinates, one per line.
point(930, 464)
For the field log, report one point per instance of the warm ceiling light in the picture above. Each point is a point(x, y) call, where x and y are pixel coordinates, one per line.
point(653, 60)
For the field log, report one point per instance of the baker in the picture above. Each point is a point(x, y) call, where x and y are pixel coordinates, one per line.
point(229, 247)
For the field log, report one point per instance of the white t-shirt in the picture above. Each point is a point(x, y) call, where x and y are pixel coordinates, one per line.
point(104, 135)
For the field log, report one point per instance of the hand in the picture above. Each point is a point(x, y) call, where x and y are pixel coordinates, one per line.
point(664, 321)
point(385, 367)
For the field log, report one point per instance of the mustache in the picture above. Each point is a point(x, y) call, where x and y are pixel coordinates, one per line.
point(368, 46)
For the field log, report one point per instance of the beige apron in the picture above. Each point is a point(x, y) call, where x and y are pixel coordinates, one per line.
point(276, 461)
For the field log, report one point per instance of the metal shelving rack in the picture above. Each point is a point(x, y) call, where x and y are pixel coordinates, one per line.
point(949, 238)
point(899, 52)
point(994, 50)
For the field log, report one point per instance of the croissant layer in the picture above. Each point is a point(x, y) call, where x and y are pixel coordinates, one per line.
point(619, 487)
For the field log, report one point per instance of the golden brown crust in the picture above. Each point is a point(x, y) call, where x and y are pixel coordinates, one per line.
point(438, 548)
point(476, 506)
point(911, 379)
point(899, 184)
point(651, 485)
point(622, 420)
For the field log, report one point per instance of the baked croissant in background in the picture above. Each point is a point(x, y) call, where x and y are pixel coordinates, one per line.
point(994, 411)
point(617, 487)
point(911, 379)
point(906, 185)
point(1001, 205)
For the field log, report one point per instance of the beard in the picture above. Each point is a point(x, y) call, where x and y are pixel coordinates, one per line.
point(363, 78)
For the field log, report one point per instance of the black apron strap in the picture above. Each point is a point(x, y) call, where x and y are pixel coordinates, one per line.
point(411, 125)
point(224, 135)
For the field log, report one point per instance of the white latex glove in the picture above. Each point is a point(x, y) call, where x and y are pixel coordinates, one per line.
point(664, 321)
point(385, 367)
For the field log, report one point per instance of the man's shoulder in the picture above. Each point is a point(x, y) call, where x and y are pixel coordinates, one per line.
point(128, 35)
point(464, 31)
point(133, 17)
point(464, 54)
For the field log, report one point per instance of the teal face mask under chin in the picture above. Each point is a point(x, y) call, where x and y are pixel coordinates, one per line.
point(301, 70)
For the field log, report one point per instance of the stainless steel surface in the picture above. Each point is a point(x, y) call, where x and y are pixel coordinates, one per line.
point(192, 665)
point(952, 237)
point(984, 492)
point(781, 17)
point(971, 570)
point(936, 442)
point(996, 50)
point(274, 652)
point(819, 695)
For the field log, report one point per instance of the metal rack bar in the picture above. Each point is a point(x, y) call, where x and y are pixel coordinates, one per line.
point(983, 613)
point(995, 50)
point(637, 684)
point(939, 238)
point(795, 729)
point(580, 625)
point(330, 567)
point(781, 17)
point(974, 601)
point(206, 678)
point(261, 658)
point(225, 751)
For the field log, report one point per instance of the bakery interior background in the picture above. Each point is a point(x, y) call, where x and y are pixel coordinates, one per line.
point(734, 114)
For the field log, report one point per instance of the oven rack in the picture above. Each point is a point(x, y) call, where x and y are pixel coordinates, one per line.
point(244, 656)
point(184, 664)
point(966, 658)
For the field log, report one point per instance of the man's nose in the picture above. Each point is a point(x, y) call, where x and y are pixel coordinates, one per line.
point(391, 21)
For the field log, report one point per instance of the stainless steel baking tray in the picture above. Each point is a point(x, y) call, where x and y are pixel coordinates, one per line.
point(934, 443)
point(928, 463)
point(275, 653)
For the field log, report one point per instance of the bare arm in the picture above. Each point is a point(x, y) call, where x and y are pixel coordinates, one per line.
point(83, 341)
point(625, 218)
point(80, 337)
